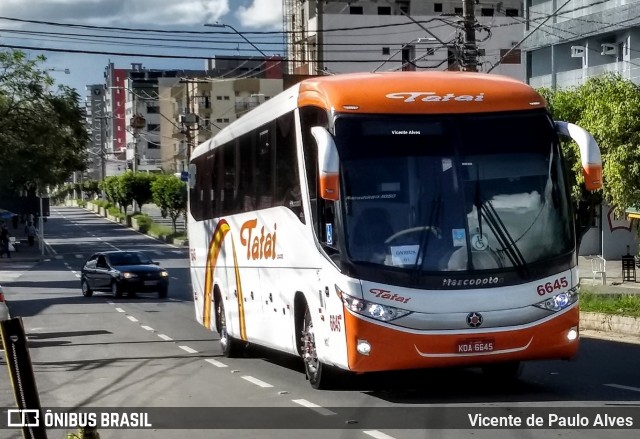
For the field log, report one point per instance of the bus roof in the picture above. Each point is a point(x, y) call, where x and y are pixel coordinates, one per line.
point(418, 93)
point(390, 93)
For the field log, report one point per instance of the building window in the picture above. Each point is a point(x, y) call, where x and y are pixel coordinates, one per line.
point(513, 57)
point(218, 98)
point(384, 10)
point(153, 110)
point(511, 12)
point(355, 10)
point(403, 5)
point(386, 51)
point(153, 145)
point(457, 11)
point(153, 127)
point(486, 12)
point(226, 98)
point(437, 7)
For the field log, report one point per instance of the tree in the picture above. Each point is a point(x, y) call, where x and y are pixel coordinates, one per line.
point(43, 136)
point(125, 189)
point(608, 107)
point(170, 195)
point(141, 185)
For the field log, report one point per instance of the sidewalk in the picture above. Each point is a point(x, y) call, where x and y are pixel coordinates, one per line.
point(25, 253)
point(614, 284)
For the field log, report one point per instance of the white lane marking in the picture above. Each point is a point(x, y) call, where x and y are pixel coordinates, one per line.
point(99, 239)
point(110, 303)
point(377, 434)
point(148, 328)
point(77, 275)
point(216, 363)
point(620, 386)
point(119, 309)
point(165, 337)
point(79, 257)
point(315, 407)
point(256, 381)
point(132, 318)
point(188, 349)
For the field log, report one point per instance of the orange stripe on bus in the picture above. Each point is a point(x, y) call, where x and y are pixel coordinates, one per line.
point(212, 259)
point(243, 326)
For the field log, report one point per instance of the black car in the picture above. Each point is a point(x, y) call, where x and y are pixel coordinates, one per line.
point(123, 272)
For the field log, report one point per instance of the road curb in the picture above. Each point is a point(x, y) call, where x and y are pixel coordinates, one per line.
point(610, 323)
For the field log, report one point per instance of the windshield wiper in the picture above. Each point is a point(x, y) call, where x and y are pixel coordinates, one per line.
point(502, 235)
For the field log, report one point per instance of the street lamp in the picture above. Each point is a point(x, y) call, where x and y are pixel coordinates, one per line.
point(239, 33)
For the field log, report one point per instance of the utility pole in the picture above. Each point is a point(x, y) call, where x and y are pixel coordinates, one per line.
point(320, 38)
point(469, 49)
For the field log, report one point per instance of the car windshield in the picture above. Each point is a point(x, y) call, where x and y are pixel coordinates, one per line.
point(129, 258)
point(463, 193)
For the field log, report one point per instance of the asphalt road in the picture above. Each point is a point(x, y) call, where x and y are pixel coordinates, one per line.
point(143, 353)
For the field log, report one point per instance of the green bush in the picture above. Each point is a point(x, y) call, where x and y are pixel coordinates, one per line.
point(144, 222)
point(619, 304)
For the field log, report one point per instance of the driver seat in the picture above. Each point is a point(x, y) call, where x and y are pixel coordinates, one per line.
point(371, 228)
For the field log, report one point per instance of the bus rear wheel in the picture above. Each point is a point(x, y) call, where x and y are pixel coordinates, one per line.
point(231, 347)
point(320, 375)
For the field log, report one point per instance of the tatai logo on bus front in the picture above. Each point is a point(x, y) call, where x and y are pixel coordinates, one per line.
point(259, 246)
point(431, 96)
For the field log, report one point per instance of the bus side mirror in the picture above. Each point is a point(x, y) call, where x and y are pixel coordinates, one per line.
point(328, 163)
point(589, 153)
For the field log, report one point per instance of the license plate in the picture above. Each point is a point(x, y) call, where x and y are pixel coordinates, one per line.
point(151, 282)
point(475, 346)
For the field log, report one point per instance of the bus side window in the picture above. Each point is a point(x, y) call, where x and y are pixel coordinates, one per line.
point(286, 167)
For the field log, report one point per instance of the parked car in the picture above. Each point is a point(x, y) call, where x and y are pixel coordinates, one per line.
point(122, 272)
point(4, 309)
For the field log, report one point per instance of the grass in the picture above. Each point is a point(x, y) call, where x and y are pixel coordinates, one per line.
point(617, 304)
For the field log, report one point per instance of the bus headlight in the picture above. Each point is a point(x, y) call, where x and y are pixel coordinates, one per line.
point(376, 311)
point(559, 301)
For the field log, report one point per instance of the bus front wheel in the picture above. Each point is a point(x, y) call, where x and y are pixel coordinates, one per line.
point(320, 375)
point(230, 346)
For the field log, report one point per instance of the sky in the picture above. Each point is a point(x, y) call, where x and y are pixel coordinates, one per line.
point(141, 27)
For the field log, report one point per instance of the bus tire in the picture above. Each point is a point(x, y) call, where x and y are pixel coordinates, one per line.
point(320, 375)
point(231, 347)
point(503, 371)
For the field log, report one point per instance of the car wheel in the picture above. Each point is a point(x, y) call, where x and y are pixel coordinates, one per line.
point(86, 290)
point(162, 293)
point(115, 289)
point(231, 347)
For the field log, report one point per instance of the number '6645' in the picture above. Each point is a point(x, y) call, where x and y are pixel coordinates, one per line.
point(551, 286)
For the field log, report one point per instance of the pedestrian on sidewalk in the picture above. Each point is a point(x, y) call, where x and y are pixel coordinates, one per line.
point(4, 241)
point(31, 232)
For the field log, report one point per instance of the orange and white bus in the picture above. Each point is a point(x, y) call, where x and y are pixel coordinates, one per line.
point(389, 221)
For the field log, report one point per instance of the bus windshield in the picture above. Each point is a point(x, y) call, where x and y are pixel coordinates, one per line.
point(453, 193)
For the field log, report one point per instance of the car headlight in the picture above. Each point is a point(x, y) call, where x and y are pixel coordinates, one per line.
point(129, 275)
point(164, 274)
point(376, 311)
point(559, 301)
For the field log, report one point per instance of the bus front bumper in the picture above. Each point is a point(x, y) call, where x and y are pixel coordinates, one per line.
point(373, 347)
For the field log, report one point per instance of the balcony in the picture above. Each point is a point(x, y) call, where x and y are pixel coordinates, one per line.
point(626, 69)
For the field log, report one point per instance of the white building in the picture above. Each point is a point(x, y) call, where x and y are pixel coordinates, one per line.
point(351, 36)
point(570, 42)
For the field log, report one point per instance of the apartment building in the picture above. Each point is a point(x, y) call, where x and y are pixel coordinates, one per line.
point(570, 41)
point(326, 37)
point(150, 120)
